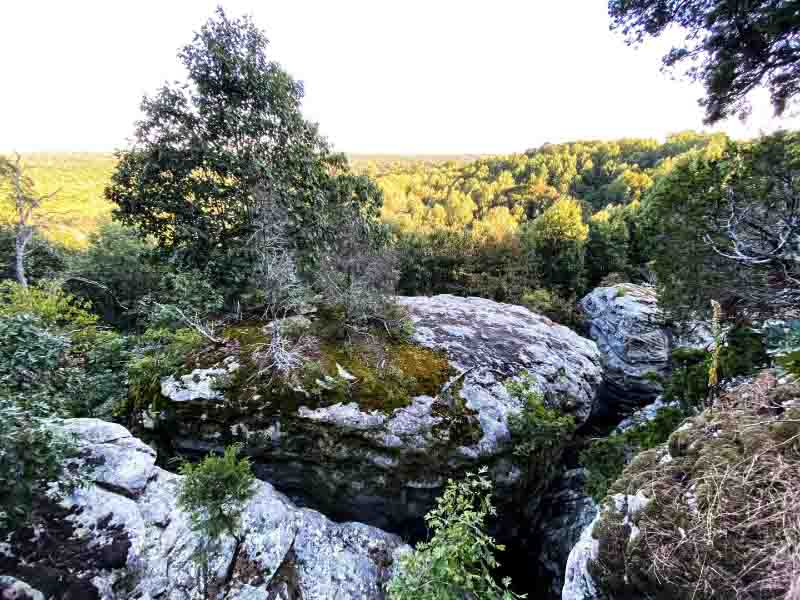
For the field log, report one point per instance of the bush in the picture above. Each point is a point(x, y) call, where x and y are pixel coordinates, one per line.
point(32, 455)
point(539, 433)
point(605, 458)
point(52, 353)
point(48, 302)
point(114, 273)
point(546, 302)
point(214, 492)
point(459, 559)
point(537, 427)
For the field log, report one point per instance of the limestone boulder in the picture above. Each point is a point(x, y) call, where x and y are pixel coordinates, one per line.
point(123, 536)
point(384, 466)
point(635, 343)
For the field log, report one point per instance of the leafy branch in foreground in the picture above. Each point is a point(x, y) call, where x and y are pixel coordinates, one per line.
point(458, 561)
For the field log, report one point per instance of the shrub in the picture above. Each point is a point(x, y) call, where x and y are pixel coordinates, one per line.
point(214, 492)
point(114, 273)
point(605, 458)
point(32, 455)
point(539, 432)
point(459, 559)
point(559, 309)
point(537, 426)
point(47, 301)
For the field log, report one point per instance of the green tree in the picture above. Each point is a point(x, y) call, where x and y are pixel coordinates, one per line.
point(730, 47)
point(203, 147)
point(727, 228)
point(557, 239)
point(607, 245)
point(458, 561)
point(214, 492)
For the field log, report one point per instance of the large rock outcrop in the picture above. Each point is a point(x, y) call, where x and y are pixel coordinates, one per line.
point(122, 536)
point(635, 343)
point(386, 465)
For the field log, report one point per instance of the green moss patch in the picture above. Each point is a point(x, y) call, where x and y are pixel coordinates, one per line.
point(387, 375)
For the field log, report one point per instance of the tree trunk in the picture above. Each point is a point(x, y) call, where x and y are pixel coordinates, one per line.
point(24, 234)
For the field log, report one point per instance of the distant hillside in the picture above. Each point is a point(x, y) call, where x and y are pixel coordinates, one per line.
point(77, 208)
point(80, 178)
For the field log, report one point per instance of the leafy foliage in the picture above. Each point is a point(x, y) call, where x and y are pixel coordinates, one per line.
point(605, 458)
point(51, 354)
point(718, 219)
point(730, 47)
point(200, 155)
point(214, 492)
point(458, 560)
point(114, 272)
point(32, 454)
point(537, 427)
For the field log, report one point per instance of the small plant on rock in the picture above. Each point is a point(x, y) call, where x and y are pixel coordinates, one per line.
point(539, 431)
point(214, 492)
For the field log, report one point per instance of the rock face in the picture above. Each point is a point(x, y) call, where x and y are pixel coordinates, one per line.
point(634, 341)
point(124, 537)
point(386, 467)
point(568, 510)
point(579, 584)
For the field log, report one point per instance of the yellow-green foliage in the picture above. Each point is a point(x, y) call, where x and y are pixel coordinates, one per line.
point(48, 302)
point(78, 206)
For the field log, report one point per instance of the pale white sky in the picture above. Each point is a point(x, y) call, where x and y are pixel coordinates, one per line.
point(417, 76)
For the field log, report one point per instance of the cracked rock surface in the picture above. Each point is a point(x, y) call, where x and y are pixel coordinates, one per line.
point(123, 536)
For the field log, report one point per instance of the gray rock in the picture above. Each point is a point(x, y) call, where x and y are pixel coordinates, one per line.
point(121, 461)
point(635, 342)
point(15, 589)
point(387, 469)
point(578, 581)
point(505, 339)
point(197, 385)
point(567, 511)
point(138, 543)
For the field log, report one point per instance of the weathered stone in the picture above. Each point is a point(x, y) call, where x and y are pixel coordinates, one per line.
point(14, 589)
point(578, 581)
point(567, 510)
point(506, 339)
point(200, 384)
point(387, 467)
point(635, 343)
point(136, 543)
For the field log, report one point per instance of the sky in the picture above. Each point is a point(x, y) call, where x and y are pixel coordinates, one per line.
point(381, 76)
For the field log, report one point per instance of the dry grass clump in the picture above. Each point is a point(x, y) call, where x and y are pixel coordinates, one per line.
point(724, 514)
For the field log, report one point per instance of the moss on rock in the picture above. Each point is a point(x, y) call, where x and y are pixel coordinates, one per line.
point(722, 492)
